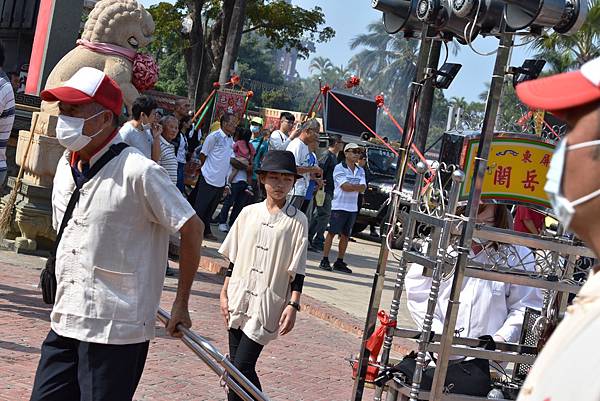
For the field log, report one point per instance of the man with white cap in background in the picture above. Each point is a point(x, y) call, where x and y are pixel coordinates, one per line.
point(349, 180)
point(566, 368)
point(110, 261)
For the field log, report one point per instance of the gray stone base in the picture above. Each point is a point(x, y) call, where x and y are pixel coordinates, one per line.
point(31, 228)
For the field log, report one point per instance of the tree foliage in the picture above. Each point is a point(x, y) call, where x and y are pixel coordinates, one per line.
point(564, 53)
point(202, 46)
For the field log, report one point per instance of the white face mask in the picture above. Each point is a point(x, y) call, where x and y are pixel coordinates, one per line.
point(564, 208)
point(69, 132)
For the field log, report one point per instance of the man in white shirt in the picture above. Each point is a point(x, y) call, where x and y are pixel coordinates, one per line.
point(349, 180)
point(309, 133)
point(281, 138)
point(143, 130)
point(110, 262)
point(216, 157)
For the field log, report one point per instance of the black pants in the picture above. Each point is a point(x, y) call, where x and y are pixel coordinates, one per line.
point(207, 199)
point(238, 199)
point(74, 370)
point(243, 353)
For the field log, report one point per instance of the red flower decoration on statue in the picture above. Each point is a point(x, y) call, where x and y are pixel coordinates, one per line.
point(145, 72)
point(352, 82)
point(379, 100)
point(250, 94)
point(325, 89)
point(216, 85)
point(235, 79)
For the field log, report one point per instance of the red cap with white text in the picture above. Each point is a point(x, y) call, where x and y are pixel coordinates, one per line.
point(563, 91)
point(88, 85)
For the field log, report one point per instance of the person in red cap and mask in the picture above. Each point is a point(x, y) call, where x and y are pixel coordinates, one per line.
point(564, 371)
point(110, 260)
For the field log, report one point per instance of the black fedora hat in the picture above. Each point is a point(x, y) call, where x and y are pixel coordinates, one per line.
point(279, 161)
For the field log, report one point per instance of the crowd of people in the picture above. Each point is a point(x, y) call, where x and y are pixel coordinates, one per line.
point(119, 194)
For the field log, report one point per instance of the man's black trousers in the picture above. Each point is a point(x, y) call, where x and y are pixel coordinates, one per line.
point(74, 370)
point(207, 200)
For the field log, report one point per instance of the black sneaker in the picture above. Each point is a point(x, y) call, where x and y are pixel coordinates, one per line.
point(324, 265)
point(342, 267)
point(170, 272)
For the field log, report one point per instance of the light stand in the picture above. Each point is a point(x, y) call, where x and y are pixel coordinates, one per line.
point(429, 54)
point(487, 134)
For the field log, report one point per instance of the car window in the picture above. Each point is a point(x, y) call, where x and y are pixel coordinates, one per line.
point(382, 161)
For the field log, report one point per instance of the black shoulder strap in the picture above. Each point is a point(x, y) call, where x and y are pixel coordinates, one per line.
point(112, 152)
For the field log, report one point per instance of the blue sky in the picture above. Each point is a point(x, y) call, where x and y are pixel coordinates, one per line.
point(351, 17)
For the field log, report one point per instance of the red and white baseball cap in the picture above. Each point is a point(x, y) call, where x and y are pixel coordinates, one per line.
point(563, 91)
point(88, 85)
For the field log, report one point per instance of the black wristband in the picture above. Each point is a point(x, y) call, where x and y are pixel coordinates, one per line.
point(294, 305)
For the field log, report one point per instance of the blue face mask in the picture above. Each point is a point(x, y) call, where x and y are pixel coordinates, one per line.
point(254, 129)
point(564, 208)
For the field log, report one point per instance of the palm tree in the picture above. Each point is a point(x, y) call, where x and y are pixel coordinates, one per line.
point(564, 53)
point(322, 65)
point(386, 64)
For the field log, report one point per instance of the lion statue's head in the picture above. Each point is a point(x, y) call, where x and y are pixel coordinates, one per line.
point(124, 23)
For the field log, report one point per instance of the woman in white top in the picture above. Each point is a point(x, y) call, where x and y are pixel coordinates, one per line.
point(266, 248)
point(486, 307)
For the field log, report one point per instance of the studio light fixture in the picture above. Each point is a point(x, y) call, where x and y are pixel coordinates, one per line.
point(531, 69)
point(438, 14)
point(564, 16)
point(445, 75)
point(487, 15)
point(399, 15)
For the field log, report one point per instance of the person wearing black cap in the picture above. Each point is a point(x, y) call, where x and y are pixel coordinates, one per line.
point(266, 248)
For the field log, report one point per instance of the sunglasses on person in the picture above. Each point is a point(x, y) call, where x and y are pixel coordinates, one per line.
point(355, 151)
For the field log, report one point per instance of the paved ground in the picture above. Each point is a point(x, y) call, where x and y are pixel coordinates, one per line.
point(306, 365)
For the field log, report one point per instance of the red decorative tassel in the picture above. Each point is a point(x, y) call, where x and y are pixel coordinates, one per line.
point(375, 342)
point(235, 79)
point(250, 94)
point(379, 101)
point(352, 82)
point(216, 85)
point(325, 88)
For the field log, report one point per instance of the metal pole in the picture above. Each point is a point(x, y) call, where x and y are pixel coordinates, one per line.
point(217, 362)
point(391, 219)
point(427, 95)
point(458, 178)
point(487, 134)
point(408, 229)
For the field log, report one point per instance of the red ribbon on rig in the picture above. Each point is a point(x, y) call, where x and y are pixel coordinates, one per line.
point(375, 342)
point(352, 82)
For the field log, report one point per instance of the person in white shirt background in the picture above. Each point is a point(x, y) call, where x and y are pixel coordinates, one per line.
point(281, 138)
point(566, 368)
point(143, 130)
point(216, 157)
point(349, 179)
point(487, 308)
point(309, 133)
point(110, 261)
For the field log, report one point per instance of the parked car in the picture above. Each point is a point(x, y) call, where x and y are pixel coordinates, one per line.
point(381, 168)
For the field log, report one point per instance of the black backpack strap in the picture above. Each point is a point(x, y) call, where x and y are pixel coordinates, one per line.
point(112, 152)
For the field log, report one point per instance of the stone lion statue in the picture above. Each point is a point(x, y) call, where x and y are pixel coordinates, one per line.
point(113, 34)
